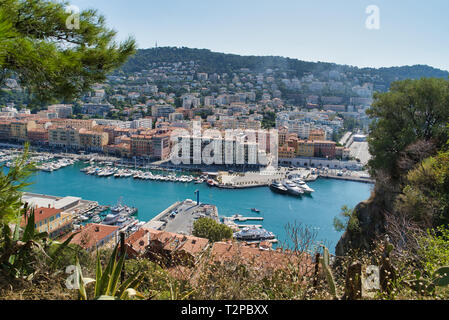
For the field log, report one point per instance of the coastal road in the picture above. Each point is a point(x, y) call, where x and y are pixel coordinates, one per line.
point(360, 151)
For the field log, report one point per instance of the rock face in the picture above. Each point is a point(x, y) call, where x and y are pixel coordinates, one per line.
point(370, 214)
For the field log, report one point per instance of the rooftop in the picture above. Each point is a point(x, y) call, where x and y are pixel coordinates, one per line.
point(89, 235)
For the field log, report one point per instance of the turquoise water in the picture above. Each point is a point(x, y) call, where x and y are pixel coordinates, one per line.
point(152, 197)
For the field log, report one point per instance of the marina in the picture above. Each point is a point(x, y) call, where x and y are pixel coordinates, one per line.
point(152, 196)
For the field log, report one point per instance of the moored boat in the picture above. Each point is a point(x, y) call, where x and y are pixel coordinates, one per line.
point(292, 188)
point(278, 187)
point(300, 183)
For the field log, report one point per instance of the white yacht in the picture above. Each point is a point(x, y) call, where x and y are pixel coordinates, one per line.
point(300, 183)
point(292, 188)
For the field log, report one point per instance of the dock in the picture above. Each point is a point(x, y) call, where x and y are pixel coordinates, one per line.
point(249, 225)
point(241, 218)
point(348, 178)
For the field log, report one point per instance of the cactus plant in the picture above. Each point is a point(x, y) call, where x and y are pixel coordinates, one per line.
point(440, 278)
point(324, 260)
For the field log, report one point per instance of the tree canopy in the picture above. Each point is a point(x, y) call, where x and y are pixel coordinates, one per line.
point(11, 185)
point(52, 56)
point(210, 229)
point(412, 110)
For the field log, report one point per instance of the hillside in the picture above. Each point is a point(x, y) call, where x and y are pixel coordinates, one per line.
point(214, 62)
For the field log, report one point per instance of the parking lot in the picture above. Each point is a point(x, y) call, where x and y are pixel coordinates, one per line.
point(180, 218)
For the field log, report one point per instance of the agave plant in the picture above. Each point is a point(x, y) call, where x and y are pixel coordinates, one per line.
point(107, 285)
point(18, 248)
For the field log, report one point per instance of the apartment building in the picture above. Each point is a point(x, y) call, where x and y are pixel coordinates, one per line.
point(286, 152)
point(19, 129)
point(141, 145)
point(92, 140)
point(62, 110)
point(324, 149)
point(317, 134)
point(5, 130)
point(64, 137)
point(161, 146)
point(75, 123)
point(152, 144)
point(162, 110)
point(233, 150)
point(38, 135)
point(306, 148)
point(53, 221)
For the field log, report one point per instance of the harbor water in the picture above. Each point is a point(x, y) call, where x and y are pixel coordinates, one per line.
point(317, 212)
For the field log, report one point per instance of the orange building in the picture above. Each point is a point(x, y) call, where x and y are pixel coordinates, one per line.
point(317, 134)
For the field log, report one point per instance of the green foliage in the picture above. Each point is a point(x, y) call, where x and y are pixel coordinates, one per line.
point(214, 62)
point(347, 220)
point(22, 252)
point(269, 120)
point(434, 249)
point(17, 252)
point(412, 110)
point(212, 230)
point(107, 281)
point(11, 185)
point(425, 197)
point(50, 59)
point(157, 283)
point(427, 285)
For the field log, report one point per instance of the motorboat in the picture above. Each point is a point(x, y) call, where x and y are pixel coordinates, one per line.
point(300, 183)
point(96, 219)
point(278, 187)
point(83, 218)
point(292, 188)
point(254, 234)
point(111, 219)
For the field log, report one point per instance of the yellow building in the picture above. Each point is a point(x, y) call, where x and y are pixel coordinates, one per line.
point(53, 221)
point(19, 129)
point(93, 140)
point(305, 149)
point(66, 137)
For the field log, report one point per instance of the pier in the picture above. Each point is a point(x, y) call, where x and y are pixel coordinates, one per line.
point(348, 178)
point(249, 225)
point(241, 218)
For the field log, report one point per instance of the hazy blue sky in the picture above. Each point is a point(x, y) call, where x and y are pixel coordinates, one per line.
point(411, 31)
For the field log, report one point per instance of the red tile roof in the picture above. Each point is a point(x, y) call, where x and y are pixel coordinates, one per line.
point(41, 214)
point(91, 234)
point(173, 241)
